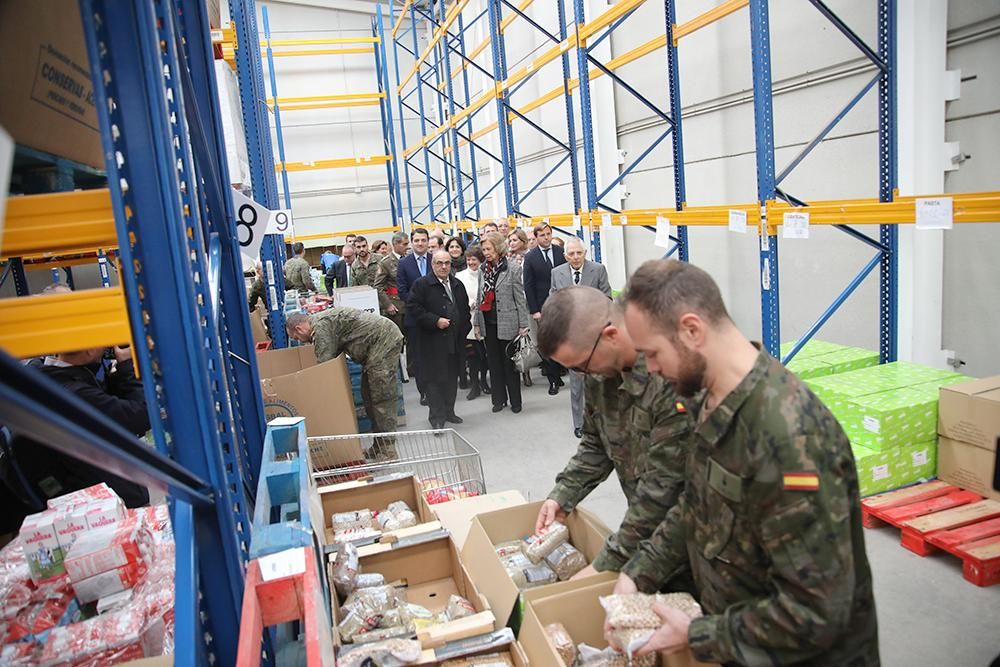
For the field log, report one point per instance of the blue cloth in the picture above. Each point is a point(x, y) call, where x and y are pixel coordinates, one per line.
point(328, 259)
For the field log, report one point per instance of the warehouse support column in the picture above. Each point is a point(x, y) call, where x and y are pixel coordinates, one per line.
point(922, 34)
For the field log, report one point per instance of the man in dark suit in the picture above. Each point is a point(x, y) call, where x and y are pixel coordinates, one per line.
point(438, 306)
point(339, 274)
point(412, 268)
point(538, 265)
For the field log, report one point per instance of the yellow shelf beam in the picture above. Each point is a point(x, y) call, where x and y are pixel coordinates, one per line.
point(708, 18)
point(282, 101)
point(31, 326)
point(320, 42)
point(319, 52)
point(439, 32)
point(472, 55)
point(62, 223)
point(360, 161)
point(402, 15)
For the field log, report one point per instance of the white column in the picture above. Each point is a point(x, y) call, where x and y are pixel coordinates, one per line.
point(922, 30)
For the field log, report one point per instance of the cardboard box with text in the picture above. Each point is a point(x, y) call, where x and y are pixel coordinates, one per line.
point(969, 425)
point(375, 495)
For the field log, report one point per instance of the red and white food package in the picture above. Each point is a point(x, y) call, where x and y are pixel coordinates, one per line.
point(70, 523)
point(102, 550)
point(41, 546)
point(84, 496)
point(104, 513)
point(102, 640)
point(110, 582)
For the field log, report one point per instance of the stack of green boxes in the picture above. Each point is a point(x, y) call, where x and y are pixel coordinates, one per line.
point(890, 415)
point(818, 358)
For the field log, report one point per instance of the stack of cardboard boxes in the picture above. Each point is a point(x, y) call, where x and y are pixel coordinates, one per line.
point(969, 429)
point(890, 414)
point(818, 358)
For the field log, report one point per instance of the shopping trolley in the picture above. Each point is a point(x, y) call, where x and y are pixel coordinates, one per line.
point(446, 464)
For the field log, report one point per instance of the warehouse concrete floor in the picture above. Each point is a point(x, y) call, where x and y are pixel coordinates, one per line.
point(928, 614)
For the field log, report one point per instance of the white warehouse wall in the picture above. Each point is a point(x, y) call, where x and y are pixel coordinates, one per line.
point(815, 71)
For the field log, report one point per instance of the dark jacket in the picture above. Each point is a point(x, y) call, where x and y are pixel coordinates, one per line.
point(336, 276)
point(406, 277)
point(34, 473)
point(428, 303)
point(537, 276)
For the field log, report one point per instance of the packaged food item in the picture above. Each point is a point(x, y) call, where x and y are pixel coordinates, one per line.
point(374, 600)
point(368, 580)
point(355, 534)
point(528, 575)
point(541, 544)
point(398, 506)
point(357, 519)
point(98, 551)
point(399, 520)
point(562, 642)
point(345, 569)
point(104, 513)
point(566, 560)
point(114, 601)
point(357, 621)
point(458, 607)
point(387, 653)
point(634, 620)
point(382, 633)
point(507, 549)
point(70, 523)
point(41, 546)
point(83, 497)
point(592, 657)
point(490, 660)
point(108, 583)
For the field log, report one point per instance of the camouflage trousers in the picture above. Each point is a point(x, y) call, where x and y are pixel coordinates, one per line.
point(380, 393)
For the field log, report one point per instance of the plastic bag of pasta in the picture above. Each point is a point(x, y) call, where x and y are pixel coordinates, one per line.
point(508, 549)
point(345, 569)
point(358, 519)
point(566, 560)
point(528, 575)
point(592, 657)
point(357, 622)
point(387, 653)
point(380, 634)
point(634, 620)
point(374, 600)
point(490, 660)
point(369, 580)
point(458, 607)
point(562, 642)
point(541, 544)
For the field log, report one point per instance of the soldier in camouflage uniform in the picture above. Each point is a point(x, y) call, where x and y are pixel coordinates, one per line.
point(385, 281)
point(256, 288)
point(365, 264)
point(296, 271)
point(633, 424)
point(369, 339)
point(770, 519)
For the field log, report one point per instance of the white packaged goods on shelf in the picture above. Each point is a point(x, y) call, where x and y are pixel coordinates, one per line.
point(102, 550)
point(536, 547)
point(104, 513)
point(110, 582)
point(83, 497)
point(232, 124)
point(114, 601)
point(41, 546)
point(71, 522)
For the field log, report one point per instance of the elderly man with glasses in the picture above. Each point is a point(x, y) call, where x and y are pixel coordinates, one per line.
point(634, 423)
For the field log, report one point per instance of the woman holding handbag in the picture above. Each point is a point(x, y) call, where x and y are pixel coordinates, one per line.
point(501, 315)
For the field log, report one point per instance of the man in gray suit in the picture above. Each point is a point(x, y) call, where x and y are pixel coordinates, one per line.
point(578, 270)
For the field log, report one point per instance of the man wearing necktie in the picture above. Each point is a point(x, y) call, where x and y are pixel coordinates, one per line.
point(577, 271)
point(538, 266)
point(412, 268)
point(438, 305)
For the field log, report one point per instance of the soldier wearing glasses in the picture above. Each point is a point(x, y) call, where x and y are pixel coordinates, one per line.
point(634, 423)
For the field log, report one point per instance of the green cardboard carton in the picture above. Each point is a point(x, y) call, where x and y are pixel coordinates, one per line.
point(812, 348)
point(893, 468)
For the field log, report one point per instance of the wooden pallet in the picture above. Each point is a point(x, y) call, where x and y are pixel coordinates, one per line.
point(937, 515)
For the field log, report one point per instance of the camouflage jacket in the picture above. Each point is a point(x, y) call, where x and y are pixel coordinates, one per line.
point(297, 275)
point(256, 293)
point(635, 425)
point(369, 339)
point(385, 284)
point(364, 274)
point(770, 522)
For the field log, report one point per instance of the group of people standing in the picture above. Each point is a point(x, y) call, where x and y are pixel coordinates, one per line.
point(462, 310)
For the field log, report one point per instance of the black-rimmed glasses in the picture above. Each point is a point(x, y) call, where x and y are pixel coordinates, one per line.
point(586, 365)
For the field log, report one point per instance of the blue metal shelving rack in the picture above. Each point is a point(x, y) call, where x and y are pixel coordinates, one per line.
point(154, 79)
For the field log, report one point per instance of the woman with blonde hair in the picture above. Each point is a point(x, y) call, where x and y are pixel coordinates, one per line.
point(501, 316)
point(517, 246)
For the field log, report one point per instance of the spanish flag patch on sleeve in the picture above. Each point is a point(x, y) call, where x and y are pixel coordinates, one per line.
point(801, 481)
point(680, 407)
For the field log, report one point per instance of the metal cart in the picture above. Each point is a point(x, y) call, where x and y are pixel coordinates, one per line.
point(447, 465)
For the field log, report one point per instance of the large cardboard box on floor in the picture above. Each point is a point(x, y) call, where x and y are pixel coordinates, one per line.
point(376, 494)
point(294, 385)
point(580, 612)
point(969, 424)
point(48, 100)
point(362, 298)
point(586, 532)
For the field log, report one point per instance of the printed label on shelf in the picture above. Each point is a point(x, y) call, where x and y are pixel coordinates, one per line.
point(280, 222)
point(880, 472)
point(919, 458)
point(872, 424)
point(606, 221)
point(576, 223)
point(454, 229)
point(738, 221)
point(282, 564)
point(935, 213)
point(795, 225)
point(274, 298)
point(765, 274)
point(623, 220)
point(662, 232)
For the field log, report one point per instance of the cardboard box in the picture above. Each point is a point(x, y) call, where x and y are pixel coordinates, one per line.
point(48, 100)
point(819, 358)
point(456, 515)
point(970, 412)
point(514, 652)
point(968, 466)
point(362, 298)
point(257, 324)
point(888, 469)
point(373, 495)
point(294, 385)
point(587, 533)
point(582, 615)
point(432, 571)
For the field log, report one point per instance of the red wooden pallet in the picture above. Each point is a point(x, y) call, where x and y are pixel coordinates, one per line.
point(937, 515)
point(291, 591)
